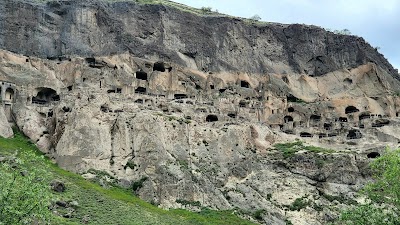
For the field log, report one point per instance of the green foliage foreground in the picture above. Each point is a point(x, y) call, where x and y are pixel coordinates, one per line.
point(383, 193)
point(26, 197)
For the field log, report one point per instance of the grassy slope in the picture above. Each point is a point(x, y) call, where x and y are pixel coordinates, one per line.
point(113, 205)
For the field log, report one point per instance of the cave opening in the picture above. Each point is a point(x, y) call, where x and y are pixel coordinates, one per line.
point(159, 66)
point(348, 81)
point(244, 84)
point(290, 109)
point(180, 96)
point(373, 155)
point(351, 109)
point(141, 75)
point(364, 116)
point(212, 118)
point(45, 95)
point(140, 90)
point(288, 119)
point(232, 115)
point(354, 134)
point(381, 123)
point(292, 98)
point(342, 119)
point(9, 94)
point(315, 118)
point(306, 134)
point(242, 104)
point(327, 126)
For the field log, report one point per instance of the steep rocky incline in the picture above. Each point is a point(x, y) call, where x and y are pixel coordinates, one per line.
point(190, 110)
point(207, 43)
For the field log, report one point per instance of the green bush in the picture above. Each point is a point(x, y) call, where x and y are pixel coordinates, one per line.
point(384, 194)
point(24, 192)
point(138, 184)
point(299, 203)
point(258, 215)
point(206, 9)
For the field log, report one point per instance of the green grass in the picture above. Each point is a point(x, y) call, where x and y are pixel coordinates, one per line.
point(113, 205)
point(289, 149)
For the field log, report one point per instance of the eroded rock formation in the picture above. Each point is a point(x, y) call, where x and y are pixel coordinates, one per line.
point(192, 106)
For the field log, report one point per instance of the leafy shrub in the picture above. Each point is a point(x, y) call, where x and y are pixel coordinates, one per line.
point(299, 203)
point(138, 184)
point(384, 194)
point(206, 9)
point(258, 215)
point(24, 192)
point(255, 18)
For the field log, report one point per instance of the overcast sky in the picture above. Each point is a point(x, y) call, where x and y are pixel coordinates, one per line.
point(377, 21)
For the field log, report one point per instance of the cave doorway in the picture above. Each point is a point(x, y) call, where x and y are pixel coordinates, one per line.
point(288, 119)
point(306, 135)
point(373, 155)
point(212, 118)
point(45, 95)
point(141, 75)
point(9, 95)
point(354, 134)
point(351, 109)
point(244, 84)
point(140, 90)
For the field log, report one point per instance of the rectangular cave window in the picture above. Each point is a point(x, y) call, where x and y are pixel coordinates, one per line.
point(119, 90)
point(180, 96)
point(141, 75)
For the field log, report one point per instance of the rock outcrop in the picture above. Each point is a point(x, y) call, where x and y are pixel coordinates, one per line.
point(191, 107)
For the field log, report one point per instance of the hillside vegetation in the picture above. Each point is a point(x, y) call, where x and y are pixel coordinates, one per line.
point(25, 195)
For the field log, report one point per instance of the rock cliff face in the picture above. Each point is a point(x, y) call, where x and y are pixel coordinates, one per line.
point(190, 108)
point(206, 43)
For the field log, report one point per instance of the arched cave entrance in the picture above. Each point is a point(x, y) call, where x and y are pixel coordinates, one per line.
point(140, 90)
point(244, 84)
point(141, 75)
point(212, 118)
point(290, 109)
point(351, 109)
point(9, 94)
point(348, 81)
point(45, 95)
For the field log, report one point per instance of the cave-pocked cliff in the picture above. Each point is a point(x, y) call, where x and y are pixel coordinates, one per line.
point(193, 106)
